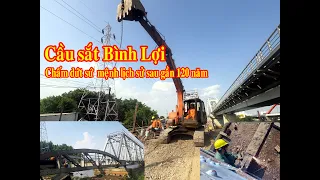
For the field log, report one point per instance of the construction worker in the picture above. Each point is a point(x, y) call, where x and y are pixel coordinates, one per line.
point(191, 112)
point(65, 164)
point(155, 126)
point(221, 153)
point(149, 128)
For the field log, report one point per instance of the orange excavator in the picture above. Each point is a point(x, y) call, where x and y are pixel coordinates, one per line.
point(190, 115)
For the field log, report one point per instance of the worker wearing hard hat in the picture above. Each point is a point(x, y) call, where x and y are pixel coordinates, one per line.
point(221, 154)
point(155, 126)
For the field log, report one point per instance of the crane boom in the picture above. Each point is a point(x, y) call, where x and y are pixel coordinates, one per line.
point(133, 10)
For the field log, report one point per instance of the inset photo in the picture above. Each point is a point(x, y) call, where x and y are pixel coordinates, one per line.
point(243, 150)
point(89, 150)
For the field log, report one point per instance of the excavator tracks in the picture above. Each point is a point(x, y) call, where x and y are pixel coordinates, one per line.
point(198, 138)
point(166, 135)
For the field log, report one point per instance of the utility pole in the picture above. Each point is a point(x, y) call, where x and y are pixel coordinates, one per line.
point(135, 117)
point(103, 108)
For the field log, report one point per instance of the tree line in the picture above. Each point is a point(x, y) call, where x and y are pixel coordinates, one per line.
point(50, 147)
point(69, 101)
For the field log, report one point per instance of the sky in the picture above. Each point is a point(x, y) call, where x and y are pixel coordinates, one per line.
point(219, 36)
point(83, 134)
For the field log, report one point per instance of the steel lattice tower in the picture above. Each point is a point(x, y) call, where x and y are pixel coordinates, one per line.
point(103, 108)
point(43, 136)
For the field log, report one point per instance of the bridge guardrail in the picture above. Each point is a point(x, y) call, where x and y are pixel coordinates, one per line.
point(267, 48)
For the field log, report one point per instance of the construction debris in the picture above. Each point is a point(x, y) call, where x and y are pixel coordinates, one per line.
point(259, 145)
point(277, 148)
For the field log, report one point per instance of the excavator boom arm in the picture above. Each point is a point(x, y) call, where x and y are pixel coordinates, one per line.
point(155, 35)
point(152, 31)
point(133, 10)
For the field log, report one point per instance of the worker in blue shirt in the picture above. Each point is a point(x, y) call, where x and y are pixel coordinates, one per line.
point(221, 154)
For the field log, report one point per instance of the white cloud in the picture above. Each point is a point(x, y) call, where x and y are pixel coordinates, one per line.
point(211, 91)
point(86, 143)
point(163, 86)
point(161, 97)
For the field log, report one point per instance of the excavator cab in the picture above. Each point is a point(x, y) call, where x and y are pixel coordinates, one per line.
point(193, 119)
point(130, 10)
point(194, 113)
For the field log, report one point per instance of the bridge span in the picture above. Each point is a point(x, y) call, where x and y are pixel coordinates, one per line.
point(121, 150)
point(259, 83)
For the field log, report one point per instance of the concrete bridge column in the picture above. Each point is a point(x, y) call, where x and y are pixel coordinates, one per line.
point(218, 122)
point(229, 118)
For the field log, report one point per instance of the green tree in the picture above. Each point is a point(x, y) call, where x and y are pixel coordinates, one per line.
point(127, 108)
point(68, 102)
point(54, 147)
point(245, 119)
point(55, 104)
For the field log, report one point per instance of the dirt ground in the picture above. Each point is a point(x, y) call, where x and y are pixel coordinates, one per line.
point(241, 136)
point(270, 156)
point(178, 160)
point(108, 178)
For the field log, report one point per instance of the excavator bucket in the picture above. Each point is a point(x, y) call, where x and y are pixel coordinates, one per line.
point(131, 10)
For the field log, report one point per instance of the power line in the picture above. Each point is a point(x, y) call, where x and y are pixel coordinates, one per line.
point(44, 77)
point(95, 12)
point(62, 86)
point(97, 29)
point(74, 25)
point(70, 24)
point(80, 14)
point(120, 39)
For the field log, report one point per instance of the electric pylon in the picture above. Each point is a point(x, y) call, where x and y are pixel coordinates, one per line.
point(43, 137)
point(104, 107)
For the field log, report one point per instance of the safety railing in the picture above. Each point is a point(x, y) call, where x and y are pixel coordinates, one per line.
point(267, 48)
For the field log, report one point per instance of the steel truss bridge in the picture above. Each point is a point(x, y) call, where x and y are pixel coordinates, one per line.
point(121, 150)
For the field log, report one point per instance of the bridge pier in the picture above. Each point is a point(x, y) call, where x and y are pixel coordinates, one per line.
point(229, 118)
point(215, 121)
point(221, 121)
